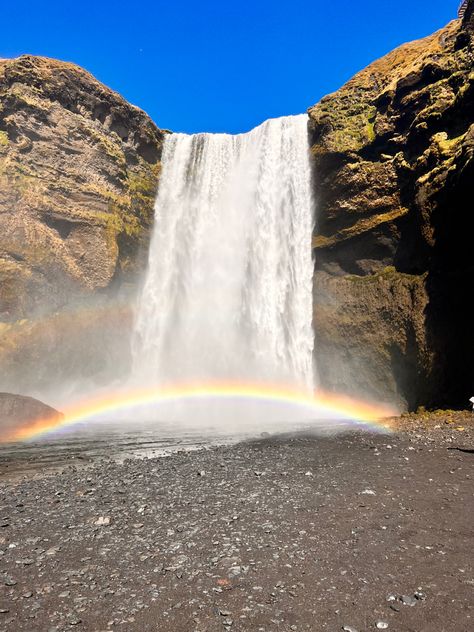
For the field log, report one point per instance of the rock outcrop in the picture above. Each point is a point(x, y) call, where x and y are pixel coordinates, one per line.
point(393, 152)
point(78, 174)
point(18, 411)
point(79, 169)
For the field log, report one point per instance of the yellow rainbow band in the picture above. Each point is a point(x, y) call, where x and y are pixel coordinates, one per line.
point(320, 403)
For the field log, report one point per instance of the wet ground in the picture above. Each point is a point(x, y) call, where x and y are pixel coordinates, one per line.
point(105, 441)
point(356, 532)
point(35, 458)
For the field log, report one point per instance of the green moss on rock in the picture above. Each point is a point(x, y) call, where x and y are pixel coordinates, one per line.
point(393, 156)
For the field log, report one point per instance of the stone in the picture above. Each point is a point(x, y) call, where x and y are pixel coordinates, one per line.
point(393, 241)
point(408, 600)
point(17, 411)
point(74, 620)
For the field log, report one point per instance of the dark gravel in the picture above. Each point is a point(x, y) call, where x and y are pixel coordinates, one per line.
point(355, 532)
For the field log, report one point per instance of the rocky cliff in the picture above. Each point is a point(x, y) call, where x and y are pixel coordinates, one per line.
point(79, 169)
point(393, 153)
point(78, 174)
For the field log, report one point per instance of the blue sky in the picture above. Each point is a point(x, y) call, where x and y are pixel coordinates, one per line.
point(218, 66)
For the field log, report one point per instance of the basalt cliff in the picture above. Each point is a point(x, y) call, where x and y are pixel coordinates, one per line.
point(394, 170)
point(393, 157)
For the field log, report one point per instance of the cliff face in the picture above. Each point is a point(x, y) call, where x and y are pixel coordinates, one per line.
point(79, 168)
point(393, 152)
point(78, 173)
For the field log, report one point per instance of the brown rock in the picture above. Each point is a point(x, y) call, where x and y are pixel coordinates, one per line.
point(78, 173)
point(88, 344)
point(18, 411)
point(393, 152)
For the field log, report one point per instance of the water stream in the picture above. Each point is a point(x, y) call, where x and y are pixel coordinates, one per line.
point(228, 291)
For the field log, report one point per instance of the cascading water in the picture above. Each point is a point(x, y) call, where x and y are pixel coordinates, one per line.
point(228, 290)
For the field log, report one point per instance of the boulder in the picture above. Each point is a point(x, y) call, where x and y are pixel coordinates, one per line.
point(19, 411)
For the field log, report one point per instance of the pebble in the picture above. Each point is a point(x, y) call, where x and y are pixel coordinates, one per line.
point(224, 544)
point(74, 621)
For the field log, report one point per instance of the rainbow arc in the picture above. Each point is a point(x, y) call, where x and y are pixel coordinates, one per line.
point(321, 405)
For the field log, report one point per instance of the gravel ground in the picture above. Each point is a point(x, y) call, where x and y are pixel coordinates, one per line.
point(352, 532)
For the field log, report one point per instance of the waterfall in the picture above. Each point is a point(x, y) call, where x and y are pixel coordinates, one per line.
point(228, 290)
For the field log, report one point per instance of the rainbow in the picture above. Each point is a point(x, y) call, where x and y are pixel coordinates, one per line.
point(319, 405)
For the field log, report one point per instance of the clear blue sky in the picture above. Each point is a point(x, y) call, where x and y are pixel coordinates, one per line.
point(215, 65)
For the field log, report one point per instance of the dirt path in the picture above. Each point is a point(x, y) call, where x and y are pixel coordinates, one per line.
point(277, 535)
